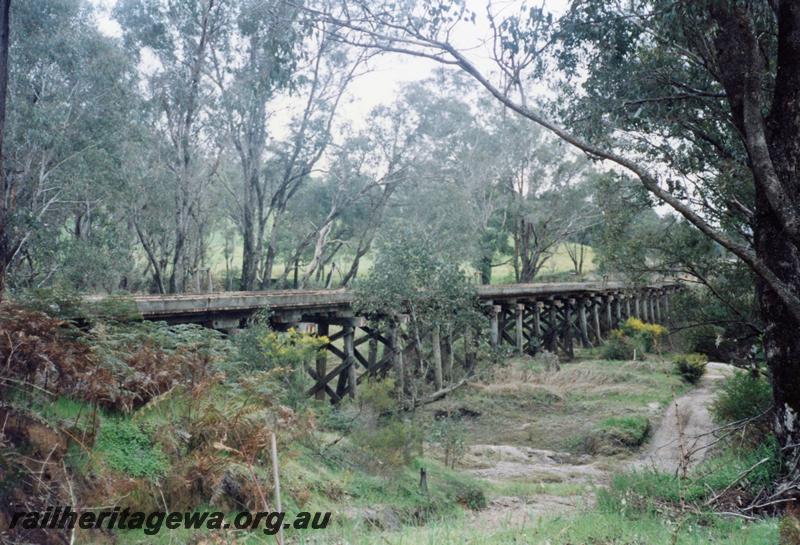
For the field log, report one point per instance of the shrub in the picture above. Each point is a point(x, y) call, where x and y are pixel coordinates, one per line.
point(379, 396)
point(471, 496)
point(616, 434)
point(69, 305)
point(639, 491)
point(282, 355)
point(619, 346)
point(630, 430)
point(761, 463)
point(705, 339)
point(549, 360)
point(391, 443)
point(450, 435)
point(743, 395)
point(56, 302)
point(118, 367)
point(691, 367)
point(263, 349)
point(648, 335)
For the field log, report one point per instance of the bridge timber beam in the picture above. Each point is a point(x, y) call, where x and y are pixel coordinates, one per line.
point(526, 317)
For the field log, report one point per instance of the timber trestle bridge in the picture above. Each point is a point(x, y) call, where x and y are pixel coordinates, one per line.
point(525, 317)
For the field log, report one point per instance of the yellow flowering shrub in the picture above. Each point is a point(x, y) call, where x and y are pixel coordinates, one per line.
point(649, 335)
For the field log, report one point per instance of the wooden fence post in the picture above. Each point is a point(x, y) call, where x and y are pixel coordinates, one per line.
point(277, 481)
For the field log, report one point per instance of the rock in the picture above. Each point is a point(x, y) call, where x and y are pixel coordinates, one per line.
point(501, 462)
point(382, 518)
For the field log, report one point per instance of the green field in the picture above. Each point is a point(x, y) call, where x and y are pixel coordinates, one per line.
point(558, 265)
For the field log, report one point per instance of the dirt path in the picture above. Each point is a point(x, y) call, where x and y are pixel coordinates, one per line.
point(507, 463)
point(689, 413)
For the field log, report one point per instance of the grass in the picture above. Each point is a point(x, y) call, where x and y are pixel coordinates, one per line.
point(586, 528)
point(558, 265)
point(647, 490)
point(312, 482)
point(522, 405)
point(618, 434)
point(528, 490)
point(121, 444)
point(325, 480)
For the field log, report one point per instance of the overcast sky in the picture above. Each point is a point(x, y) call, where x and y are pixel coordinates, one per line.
point(390, 71)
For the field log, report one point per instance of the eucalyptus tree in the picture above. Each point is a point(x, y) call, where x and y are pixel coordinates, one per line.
point(341, 210)
point(480, 179)
point(346, 190)
point(5, 8)
point(251, 66)
point(414, 274)
point(387, 159)
point(459, 192)
point(450, 164)
point(542, 182)
point(70, 103)
point(697, 100)
point(179, 36)
point(292, 160)
point(721, 318)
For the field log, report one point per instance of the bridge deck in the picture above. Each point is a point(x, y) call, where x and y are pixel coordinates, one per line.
point(334, 302)
point(530, 317)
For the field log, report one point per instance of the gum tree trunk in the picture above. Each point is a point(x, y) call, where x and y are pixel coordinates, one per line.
point(776, 236)
point(782, 344)
point(5, 237)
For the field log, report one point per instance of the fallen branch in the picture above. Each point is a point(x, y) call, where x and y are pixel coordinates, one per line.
point(439, 394)
point(741, 476)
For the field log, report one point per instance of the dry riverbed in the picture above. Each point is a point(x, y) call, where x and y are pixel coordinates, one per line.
point(534, 438)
